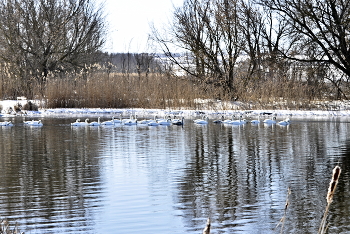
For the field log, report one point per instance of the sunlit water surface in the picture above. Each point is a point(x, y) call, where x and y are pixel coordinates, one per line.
point(170, 179)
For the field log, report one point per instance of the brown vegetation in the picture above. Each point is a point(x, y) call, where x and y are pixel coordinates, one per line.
point(122, 91)
point(118, 90)
point(6, 229)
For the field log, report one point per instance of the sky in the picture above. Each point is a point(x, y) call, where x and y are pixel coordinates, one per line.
point(129, 22)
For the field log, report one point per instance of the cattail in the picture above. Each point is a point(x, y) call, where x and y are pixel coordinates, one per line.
point(333, 184)
point(207, 227)
point(330, 194)
point(285, 211)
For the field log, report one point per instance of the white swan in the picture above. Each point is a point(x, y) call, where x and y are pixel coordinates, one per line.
point(239, 122)
point(178, 121)
point(95, 123)
point(118, 120)
point(204, 120)
point(108, 122)
point(147, 121)
point(34, 123)
point(255, 121)
point(218, 121)
point(6, 123)
point(78, 123)
point(229, 121)
point(284, 122)
point(270, 121)
point(164, 122)
point(131, 121)
point(153, 123)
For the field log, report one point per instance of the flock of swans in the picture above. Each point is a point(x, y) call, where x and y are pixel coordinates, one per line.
point(162, 121)
point(241, 121)
point(131, 121)
point(29, 123)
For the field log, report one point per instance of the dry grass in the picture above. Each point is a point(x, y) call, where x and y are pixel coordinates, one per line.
point(97, 86)
point(119, 91)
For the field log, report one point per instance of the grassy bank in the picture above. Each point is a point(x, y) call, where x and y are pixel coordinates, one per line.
point(117, 90)
point(102, 89)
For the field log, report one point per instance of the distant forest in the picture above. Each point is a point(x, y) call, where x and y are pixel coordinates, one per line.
point(260, 51)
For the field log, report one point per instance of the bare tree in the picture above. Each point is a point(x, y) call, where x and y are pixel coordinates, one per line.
point(39, 37)
point(209, 33)
point(319, 31)
point(143, 63)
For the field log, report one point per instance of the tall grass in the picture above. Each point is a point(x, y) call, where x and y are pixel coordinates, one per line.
point(122, 90)
point(132, 90)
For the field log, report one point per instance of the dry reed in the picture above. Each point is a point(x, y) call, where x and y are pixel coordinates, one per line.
point(97, 86)
point(5, 228)
point(331, 190)
point(207, 227)
point(120, 91)
point(282, 221)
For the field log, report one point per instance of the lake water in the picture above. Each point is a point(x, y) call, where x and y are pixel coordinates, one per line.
point(170, 179)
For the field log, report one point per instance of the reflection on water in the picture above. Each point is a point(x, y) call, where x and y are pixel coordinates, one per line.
point(170, 179)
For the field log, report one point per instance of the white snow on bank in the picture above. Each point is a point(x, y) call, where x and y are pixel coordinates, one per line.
point(339, 109)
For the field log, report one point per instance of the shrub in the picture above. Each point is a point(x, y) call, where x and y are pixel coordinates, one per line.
point(30, 106)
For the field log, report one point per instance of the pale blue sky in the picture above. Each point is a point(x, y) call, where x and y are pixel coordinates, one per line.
point(129, 22)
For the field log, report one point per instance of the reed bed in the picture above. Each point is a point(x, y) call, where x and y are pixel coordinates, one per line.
point(123, 91)
point(132, 90)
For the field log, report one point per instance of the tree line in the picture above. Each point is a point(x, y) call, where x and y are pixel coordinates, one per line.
point(230, 48)
point(238, 43)
point(43, 37)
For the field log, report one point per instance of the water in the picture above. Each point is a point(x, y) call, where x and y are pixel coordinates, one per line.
point(170, 179)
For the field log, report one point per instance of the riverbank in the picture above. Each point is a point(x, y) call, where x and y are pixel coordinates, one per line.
point(324, 109)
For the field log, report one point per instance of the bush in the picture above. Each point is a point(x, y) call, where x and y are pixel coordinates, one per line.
point(30, 106)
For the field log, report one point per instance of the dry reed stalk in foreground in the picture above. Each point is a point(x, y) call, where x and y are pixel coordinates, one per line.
point(330, 194)
point(207, 227)
point(5, 228)
point(285, 211)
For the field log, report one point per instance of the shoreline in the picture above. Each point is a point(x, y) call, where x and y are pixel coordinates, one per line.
point(340, 110)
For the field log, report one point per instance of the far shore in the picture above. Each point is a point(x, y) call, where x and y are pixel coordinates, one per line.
point(325, 110)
